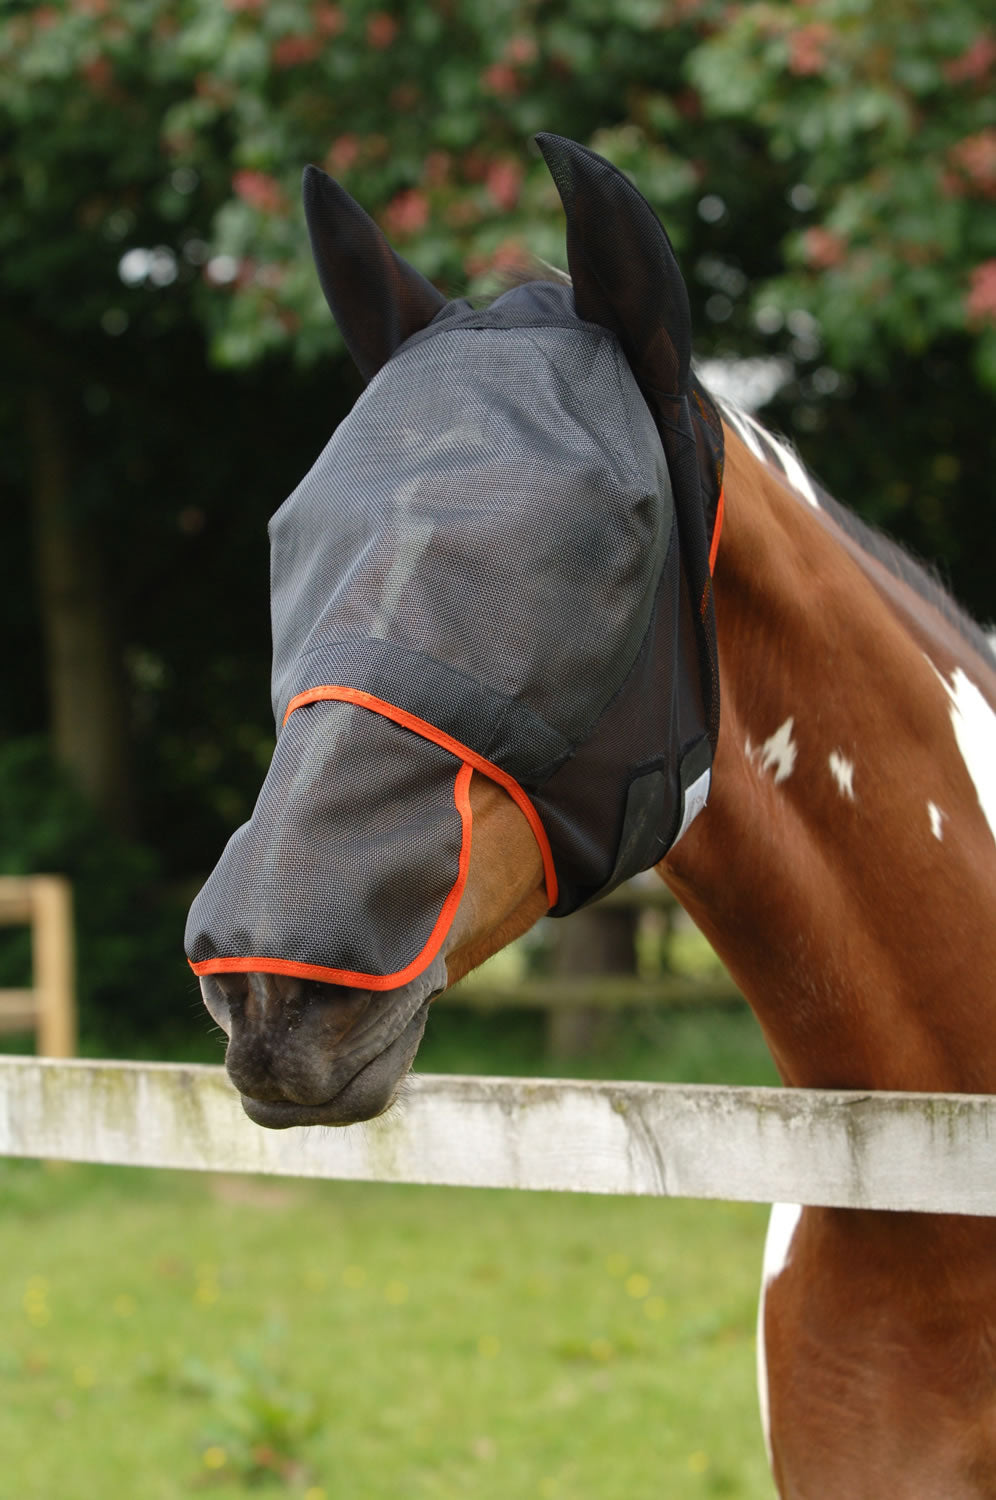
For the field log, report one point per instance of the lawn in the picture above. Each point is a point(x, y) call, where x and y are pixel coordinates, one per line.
point(167, 1334)
point(170, 1335)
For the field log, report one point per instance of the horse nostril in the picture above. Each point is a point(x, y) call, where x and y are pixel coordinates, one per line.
point(221, 995)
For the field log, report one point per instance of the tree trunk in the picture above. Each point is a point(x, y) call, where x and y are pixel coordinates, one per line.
point(598, 940)
point(84, 678)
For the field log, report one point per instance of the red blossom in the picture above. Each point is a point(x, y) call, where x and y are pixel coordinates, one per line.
point(461, 213)
point(98, 73)
point(509, 256)
point(407, 212)
point(436, 169)
point(381, 29)
point(291, 51)
point(971, 166)
point(503, 182)
point(823, 248)
point(475, 165)
point(207, 86)
point(501, 79)
point(45, 17)
point(808, 49)
point(260, 191)
point(688, 103)
point(980, 304)
point(329, 19)
point(974, 63)
point(342, 153)
point(520, 49)
point(245, 4)
point(404, 97)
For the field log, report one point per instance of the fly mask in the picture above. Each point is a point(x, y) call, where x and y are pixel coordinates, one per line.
point(499, 565)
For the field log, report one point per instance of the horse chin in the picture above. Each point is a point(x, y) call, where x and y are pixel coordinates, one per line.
point(303, 1052)
point(368, 1093)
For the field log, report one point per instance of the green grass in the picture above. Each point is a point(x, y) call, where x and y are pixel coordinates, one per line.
point(166, 1335)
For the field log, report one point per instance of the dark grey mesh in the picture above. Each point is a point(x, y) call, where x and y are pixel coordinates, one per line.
point(507, 538)
point(355, 823)
point(495, 501)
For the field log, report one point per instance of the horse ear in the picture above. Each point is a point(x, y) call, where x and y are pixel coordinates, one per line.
point(377, 299)
point(622, 265)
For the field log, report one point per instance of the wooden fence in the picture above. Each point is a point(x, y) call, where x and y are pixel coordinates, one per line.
point(851, 1150)
point(45, 903)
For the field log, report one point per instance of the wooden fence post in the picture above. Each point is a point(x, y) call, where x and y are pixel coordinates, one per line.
point(53, 956)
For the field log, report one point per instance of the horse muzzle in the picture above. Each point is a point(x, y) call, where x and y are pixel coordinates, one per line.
point(305, 1053)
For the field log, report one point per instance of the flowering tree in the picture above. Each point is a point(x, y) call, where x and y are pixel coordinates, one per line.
point(826, 169)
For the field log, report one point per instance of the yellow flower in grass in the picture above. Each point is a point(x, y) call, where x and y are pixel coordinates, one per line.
point(637, 1285)
point(698, 1461)
point(215, 1457)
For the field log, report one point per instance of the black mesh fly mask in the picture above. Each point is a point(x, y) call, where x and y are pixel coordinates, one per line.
point(499, 565)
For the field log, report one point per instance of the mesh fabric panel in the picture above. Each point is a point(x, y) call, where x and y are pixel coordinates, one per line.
point(491, 543)
point(351, 851)
point(495, 502)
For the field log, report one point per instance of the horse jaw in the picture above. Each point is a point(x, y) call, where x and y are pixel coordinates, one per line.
point(301, 1052)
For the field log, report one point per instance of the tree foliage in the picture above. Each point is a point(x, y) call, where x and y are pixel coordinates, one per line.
point(826, 170)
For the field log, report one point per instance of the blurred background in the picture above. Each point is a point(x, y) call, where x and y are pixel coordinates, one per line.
point(827, 173)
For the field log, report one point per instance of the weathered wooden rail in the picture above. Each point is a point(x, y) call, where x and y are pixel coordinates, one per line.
point(869, 1150)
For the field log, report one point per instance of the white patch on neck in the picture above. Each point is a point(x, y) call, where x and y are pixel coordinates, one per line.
point(777, 1247)
point(776, 754)
point(796, 475)
point(936, 817)
point(766, 447)
point(974, 725)
point(744, 429)
point(842, 771)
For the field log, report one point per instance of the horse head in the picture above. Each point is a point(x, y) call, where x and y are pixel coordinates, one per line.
point(498, 562)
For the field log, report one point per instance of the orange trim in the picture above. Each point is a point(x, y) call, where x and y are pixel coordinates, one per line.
point(717, 529)
point(446, 742)
point(461, 797)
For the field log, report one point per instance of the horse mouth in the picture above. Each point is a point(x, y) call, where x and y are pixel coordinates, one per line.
point(370, 1092)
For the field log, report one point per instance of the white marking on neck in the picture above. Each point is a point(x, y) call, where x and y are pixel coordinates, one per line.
point(842, 771)
point(974, 725)
point(936, 817)
point(777, 753)
point(766, 447)
point(745, 430)
point(777, 1247)
point(794, 472)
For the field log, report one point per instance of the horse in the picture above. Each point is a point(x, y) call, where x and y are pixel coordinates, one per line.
point(843, 866)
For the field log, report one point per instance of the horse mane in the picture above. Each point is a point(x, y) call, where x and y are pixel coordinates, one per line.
point(779, 454)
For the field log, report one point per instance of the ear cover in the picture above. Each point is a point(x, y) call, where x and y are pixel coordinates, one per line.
point(622, 265)
point(377, 299)
point(626, 279)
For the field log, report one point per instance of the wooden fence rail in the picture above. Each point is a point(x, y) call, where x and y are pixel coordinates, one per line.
point(922, 1152)
point(45, 903)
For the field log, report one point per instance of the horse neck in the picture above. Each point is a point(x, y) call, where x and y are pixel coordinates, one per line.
point(844, 868)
